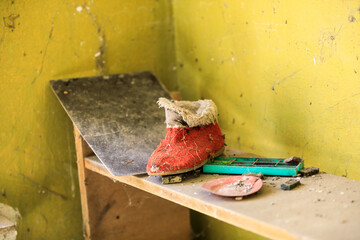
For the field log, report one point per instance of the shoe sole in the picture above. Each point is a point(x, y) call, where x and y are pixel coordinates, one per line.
point(218, 153)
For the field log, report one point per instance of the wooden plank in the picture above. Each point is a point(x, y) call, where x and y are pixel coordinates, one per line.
point(116, 210)
point(82, 150)
point(323, 207)
point(120, 211)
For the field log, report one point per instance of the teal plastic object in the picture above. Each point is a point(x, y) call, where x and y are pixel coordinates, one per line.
point(266, 166)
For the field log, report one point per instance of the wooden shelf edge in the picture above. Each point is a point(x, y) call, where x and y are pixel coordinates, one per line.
point(222, 214)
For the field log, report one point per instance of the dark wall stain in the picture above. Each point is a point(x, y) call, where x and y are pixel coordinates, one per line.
point(351, 18)
point(100, 59)
point(45, 51)
point(43, 188)
point(346, 173)
point(105, 209)
point(9, 21)
point(100, 55)
point(4, 193)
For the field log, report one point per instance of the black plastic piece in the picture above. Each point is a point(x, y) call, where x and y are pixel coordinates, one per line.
point(290, 184)
point(306, 172)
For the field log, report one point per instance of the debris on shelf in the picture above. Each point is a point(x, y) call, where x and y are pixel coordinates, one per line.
point(309, 171)
point(290, 184)
point(234, 186)
point(259, 175)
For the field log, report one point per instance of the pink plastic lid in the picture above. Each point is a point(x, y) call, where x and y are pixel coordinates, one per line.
point(234, 186)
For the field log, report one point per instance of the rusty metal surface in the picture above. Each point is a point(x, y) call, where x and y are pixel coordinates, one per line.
point(118, 117)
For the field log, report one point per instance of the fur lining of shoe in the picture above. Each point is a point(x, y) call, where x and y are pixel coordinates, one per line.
point(193, 113)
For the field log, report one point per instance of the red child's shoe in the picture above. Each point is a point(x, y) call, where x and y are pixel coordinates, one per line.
point(193, 136)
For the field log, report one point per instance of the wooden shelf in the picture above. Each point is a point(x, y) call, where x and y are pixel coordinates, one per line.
point(136, 207)
point(323, 207)
point(115, 210)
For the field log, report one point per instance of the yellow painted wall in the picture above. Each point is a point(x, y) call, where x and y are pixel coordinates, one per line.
point(44, 40)
point(285, 76)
